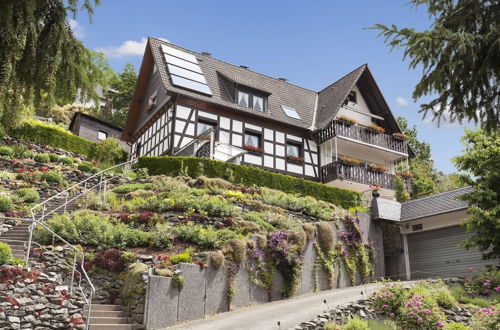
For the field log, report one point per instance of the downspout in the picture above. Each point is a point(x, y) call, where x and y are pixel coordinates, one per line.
point(174, 115)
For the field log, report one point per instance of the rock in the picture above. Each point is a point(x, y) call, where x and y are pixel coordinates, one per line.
point(361, 313)
point(13, 319)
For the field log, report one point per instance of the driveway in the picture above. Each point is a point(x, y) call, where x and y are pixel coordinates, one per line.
point(290, 313)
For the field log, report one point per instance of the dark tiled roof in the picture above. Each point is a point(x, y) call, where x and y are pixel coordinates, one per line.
point(433, 205)
point(331, 98)
point(215, 71)
point(419, 208)
point(386, 209)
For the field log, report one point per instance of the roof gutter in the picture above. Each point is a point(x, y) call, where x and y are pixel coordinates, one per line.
point(313, 124)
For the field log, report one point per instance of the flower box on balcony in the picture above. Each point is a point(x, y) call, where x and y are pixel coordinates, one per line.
point(295, 159)
point(375, 128)
point(377, 168)
point(347, 120)
point(405, 174)
point(350, 161)
point(253, 149)
point(400, 136)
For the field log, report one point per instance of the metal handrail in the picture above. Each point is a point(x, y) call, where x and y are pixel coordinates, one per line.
point(88, 301)
point(209, 132)
point(102, 184)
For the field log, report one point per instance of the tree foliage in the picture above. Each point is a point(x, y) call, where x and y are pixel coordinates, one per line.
point(426, 179)
point(121, 94)
point(41, 61)
point(460, 58)
point(481, 161)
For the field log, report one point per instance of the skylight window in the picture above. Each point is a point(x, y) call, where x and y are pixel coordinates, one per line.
point(290, 112)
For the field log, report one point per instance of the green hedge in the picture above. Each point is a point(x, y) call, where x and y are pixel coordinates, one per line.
point(57, 137)
point(249, 176)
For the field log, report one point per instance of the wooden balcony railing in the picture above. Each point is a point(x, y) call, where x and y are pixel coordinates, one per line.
point(360, 174)
point(359, 133)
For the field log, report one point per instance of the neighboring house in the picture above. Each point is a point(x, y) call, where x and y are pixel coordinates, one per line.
point(191, 104)
point(94, 129)
point(429, 236)
point(102, 99)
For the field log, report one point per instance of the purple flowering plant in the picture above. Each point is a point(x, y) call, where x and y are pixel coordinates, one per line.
point(485, 318)
point(420, 312)
point(485, 282)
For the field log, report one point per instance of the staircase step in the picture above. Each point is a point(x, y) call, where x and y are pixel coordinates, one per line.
point(15, 236)
point(109, 320)
point(12, 243)
point(104, 307)
point(98, 313)
point(110, 327)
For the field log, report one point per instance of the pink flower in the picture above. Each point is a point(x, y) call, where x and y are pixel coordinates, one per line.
point(419, 319)
point(411, 314)
point(418, 303)
point(427, 311)
point(497, 289)
point(440, 324)
point(409, 304)
point(391, 315)
point(416, 309)
point(385, 306)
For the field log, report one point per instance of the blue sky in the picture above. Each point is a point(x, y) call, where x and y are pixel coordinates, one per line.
point(312, 43)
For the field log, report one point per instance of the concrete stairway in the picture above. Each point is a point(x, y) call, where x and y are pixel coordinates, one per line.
point(17, 237)
point(113, 317)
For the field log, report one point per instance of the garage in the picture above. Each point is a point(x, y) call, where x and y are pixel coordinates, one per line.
point(437, 253)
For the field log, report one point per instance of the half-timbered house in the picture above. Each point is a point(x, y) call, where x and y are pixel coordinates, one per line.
point(191, 104)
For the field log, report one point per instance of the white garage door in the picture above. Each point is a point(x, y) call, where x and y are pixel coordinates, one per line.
point(437, 253)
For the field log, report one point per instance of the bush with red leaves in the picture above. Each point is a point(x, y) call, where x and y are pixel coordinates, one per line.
point(246, 190)
point(124, 217)
point(144, 217)
point(110, 259)
point(13, 275)
point(196, 217)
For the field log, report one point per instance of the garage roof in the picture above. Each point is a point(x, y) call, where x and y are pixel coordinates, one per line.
point(444, 202)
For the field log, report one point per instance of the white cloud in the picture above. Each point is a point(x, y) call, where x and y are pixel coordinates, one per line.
point(127, 48)
point(401, 101)
point(77, 29)
point(444, 120)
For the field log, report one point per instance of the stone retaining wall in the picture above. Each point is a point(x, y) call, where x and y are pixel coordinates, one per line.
point(205, 290)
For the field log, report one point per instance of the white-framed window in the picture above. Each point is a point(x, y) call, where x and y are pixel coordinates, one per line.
point(101, 135)
point(251, 100)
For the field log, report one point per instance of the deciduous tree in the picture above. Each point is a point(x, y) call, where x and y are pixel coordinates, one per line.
point(480, 160)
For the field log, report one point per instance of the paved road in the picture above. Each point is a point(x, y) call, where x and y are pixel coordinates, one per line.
point(289, 313)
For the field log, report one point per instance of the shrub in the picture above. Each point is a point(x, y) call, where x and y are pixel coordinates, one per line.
point(161, 236)
point(185, 256)
point(246, 227)
point(217, 259)
point(178, 280)
point(28, 195)
point(483, 282)
point(455, 326)
point(5, 253)
point(54, 158)
point(110, 259)
point(131, 187)
point(444, 298)
point(133, 286)
point(205, 237)
point(6, 204)
point(87, 167)
point(90, 228)
point(68, 161)
point(356, 324)
point(6, 151)
point(310, 230)
point(420, 312)
point(54, 136)
point(249, 176)
point(325, 236)
point(129, 257)
point(52, 176)
point(389, 298)
point(259, 219)
point(109, 151)
point(215, 206)
point(237, 248)
point(331, 326)
point(485, 319)
point(42, 158)
point(19, 150)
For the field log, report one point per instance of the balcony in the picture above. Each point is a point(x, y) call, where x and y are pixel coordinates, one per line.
point(359, 174)
point(362, 135)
